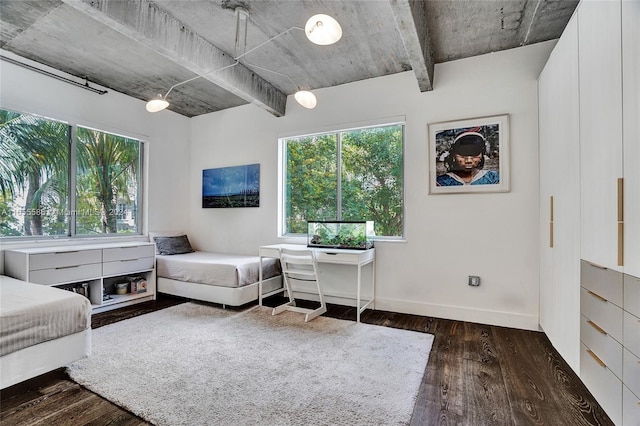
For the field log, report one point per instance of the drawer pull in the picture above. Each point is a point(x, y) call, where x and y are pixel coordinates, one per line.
point(332, 254)
point(595, 265)
point(598, 360)
point(67, 267)
point(66, 252)
point(128, 260)
point(594, 325)
point(597, 296)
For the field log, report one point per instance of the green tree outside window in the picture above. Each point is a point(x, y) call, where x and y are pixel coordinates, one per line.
point(350, 175)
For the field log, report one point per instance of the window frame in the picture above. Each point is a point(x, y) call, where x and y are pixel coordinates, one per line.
point(71, 178)
point(282, 175)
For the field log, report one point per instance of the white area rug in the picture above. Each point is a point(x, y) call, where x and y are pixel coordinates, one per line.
point(195, 364)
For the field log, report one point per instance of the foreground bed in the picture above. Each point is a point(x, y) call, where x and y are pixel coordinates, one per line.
point(216, 277)
point(41, 328)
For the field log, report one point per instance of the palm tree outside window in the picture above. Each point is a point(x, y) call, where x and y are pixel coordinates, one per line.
point(46, 191)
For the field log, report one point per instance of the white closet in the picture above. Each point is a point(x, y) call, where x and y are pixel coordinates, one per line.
point(589, 115)
point(631, 134)
point(600, 65)
point(560, 196)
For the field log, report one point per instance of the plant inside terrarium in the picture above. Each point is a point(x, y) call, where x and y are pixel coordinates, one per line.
point(347, 236)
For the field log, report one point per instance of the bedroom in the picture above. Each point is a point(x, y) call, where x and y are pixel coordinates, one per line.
point(494, 236)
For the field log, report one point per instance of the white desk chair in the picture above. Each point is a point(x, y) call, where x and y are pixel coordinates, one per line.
point(300, 266)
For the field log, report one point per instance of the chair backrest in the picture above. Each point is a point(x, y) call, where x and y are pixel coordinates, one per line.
point(299, 264)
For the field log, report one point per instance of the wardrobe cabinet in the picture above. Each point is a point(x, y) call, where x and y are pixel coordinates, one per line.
point(560, 196)
point(600, 154)
point(609, 65)
point(589, 127)
point(631, 134)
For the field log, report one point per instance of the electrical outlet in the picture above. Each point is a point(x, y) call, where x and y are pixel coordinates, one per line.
point(474, 280)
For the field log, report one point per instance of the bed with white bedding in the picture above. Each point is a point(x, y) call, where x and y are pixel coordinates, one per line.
point(228, 279)
point(41, 328)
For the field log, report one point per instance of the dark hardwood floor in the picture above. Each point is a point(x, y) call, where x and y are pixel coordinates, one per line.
point(476, 375)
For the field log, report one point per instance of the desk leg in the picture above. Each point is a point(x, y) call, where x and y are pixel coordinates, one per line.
point(373, 284)
point(358, 295)
point(260, 282)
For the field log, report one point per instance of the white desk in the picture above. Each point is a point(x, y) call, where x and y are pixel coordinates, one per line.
point(357, 258)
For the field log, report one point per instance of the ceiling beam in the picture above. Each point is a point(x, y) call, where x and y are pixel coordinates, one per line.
point(411, 20)
point(146, 23)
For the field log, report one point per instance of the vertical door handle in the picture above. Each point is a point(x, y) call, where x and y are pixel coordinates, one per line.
point(551, 221)
point(620, 221)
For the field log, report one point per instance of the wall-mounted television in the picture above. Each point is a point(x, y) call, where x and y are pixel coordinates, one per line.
point(235, 186)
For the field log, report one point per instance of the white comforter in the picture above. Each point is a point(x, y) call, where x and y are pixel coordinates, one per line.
point(218, 269)
point(35, 313)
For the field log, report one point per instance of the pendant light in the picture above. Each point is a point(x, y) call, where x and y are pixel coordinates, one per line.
point(320, 29)
point(323, 30)
point(157, 104)
point(306, 99)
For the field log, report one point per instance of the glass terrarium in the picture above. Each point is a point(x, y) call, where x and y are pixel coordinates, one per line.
point(342, 235)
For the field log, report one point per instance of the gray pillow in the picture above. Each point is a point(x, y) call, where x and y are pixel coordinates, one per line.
point(173, 245)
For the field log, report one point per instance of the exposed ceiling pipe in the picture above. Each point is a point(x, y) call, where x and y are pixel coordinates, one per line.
point(52, 75)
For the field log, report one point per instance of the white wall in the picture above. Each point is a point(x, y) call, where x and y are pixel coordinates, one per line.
point(448, 237)
point(166, 133)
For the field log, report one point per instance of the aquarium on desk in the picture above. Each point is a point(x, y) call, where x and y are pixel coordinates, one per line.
point(340, 234)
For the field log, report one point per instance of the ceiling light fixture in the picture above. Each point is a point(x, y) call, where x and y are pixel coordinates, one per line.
point(157, 104)
point(320, 29)
point(323, 30)
point(160, 102)
point(306, 99)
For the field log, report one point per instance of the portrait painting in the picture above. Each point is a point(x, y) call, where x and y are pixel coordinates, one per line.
point(470, 155)
point(235, 186)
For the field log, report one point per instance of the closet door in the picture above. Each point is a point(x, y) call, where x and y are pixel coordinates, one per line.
point(599, 27)
point(560, 227)
point(631, 134)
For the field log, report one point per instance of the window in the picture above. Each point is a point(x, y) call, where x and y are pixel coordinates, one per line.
point(47, 191)
point(349, 175)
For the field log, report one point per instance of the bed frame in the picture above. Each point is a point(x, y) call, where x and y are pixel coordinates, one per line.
point(26, 363)
point(232, 296)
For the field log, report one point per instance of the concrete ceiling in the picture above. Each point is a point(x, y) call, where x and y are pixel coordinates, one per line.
point(143, 47)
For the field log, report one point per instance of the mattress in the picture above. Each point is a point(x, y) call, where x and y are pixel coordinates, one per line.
point(217, 269)
point(32, 313)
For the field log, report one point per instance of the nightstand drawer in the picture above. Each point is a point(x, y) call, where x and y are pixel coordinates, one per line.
point(631, 371)
point(65, 274)
point(603, 384)
point(631, 333)
point(62, 259)
point(604, 313)
point(127, 266)
point(127, 253)
point(605, 282)
point(632, 295)
point(602, 345)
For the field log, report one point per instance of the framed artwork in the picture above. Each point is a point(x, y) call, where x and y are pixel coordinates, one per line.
point(236, 186)
point(469, 155)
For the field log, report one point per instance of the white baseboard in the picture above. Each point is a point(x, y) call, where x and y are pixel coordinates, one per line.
point(503, 319)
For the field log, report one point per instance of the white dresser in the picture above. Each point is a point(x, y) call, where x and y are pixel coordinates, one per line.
point(98, 269)
point(610, 340)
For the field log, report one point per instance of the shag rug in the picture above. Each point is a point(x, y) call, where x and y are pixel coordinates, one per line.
point(195, 364)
